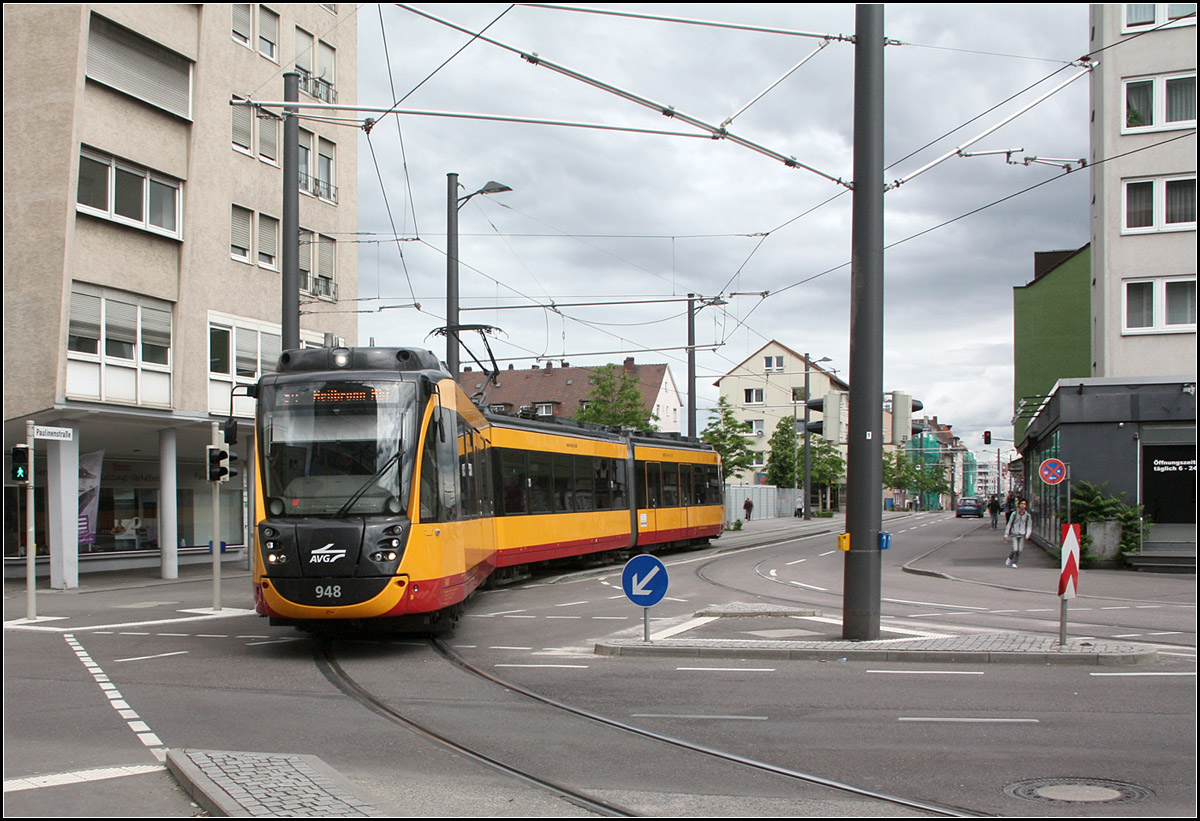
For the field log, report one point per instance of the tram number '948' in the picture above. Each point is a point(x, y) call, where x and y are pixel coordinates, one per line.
point(329, 591)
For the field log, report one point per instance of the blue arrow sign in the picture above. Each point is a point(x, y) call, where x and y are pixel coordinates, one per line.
point(644, 580)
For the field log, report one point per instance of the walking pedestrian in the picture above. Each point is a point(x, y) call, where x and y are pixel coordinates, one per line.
point(1009, 507)
point(748, 506)
point(994, 509)
point(799, 507)
point(1018, 529)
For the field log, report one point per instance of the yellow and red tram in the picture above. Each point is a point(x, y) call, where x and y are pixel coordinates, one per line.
point(386, 496)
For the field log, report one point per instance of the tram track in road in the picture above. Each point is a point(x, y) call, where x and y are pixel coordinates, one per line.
point(670, 756)
point(340, 679)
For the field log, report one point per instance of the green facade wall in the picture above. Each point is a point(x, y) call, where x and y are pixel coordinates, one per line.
point(1051, 334)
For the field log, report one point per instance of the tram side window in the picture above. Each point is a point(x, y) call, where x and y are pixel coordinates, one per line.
point(541, 485)
point(716, 487)
point(512, 482)
point(653, 484)
point(564, 483)
point(620, 493)
point(670, 485)
point(439, 471)
point(585, 497)
point(430, 503)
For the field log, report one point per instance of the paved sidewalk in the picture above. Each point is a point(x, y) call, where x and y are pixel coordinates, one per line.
point(787, 633)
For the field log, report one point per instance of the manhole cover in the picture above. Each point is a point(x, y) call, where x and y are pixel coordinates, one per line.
point(1078, 791)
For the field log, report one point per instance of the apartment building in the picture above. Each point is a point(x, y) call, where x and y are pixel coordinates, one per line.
point(142, 258)
point(769, 386)
point(1131, 424)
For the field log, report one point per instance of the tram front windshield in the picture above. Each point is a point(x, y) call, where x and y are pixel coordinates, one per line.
point(337, 447)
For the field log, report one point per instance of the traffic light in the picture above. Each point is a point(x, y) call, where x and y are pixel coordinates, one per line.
point(218, 464)
point(20, 464)
point(902, 408)
point(830, 427)
point(987, 437)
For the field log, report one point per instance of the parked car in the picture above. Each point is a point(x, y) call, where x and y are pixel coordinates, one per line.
point(969, 506)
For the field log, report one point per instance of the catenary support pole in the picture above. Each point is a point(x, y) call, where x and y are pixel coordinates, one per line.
point(290, 253)
point(860, 609)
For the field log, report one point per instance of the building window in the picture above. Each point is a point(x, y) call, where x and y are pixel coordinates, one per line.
point(1160, 204)
point(754, 396)
point(315, 61)
point(242, 24)
point(125, 193)
point(119, 347)
point(141, 68)
point(757, 427)
point(1143, 16)
point(268, 33)
point(268, 242)
point(1160, 103)
point(773, 363)
point(325, 189)
point(241, 226)
point(1163, 305)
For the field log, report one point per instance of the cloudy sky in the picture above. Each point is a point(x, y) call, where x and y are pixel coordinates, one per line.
point(618, 216)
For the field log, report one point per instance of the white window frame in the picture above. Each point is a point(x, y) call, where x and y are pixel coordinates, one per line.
point(1158, 103)
point(149, 179)
point(234, 212)
point(757, 427)
point(1160, 16)
point(773, 364)
point(1159, 222)
point(221, 383)
point(124, 60)
point(267, 242)
point(268, 47)
point(325, 177)
point(1159, 308)
point(753, 396)
point(245, 38)
point(104, 362)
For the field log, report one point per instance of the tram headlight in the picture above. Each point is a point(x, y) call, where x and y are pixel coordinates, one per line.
point(276, 558)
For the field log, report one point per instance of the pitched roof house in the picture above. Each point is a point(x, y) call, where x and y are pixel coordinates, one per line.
point(561, 391)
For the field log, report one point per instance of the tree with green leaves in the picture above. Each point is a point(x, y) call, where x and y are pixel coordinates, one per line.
point(616, 401)
point(827, 465)
point(727, 435)
point(781, 460)
point(899, 472)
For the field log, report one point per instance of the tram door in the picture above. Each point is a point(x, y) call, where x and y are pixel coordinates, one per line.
point(653, 496)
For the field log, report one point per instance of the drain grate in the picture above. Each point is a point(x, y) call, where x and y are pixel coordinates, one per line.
point(1078, 791)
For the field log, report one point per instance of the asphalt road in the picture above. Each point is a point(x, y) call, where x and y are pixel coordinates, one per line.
point(126, 672)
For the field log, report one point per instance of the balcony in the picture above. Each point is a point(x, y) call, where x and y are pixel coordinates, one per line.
point(323, 288)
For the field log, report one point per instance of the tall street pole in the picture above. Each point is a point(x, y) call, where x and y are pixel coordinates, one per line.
point(452, 275)
point(691, 365)
point(290, 253)
point(864, 518)
point(807, 446)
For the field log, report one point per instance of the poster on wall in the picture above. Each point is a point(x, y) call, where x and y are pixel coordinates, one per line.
point(90, 465)
point(1169, 483)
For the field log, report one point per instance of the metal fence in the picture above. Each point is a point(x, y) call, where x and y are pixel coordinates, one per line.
point(769, 502)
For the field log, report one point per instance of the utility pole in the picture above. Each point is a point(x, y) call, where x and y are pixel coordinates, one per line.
point(290, 253)
point(864, 519)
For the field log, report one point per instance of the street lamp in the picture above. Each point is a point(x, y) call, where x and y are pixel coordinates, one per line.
point(691, 354)
point(453, 204)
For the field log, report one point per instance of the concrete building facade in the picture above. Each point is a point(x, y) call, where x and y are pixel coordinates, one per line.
point(1130, 426)
point(142, 256)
